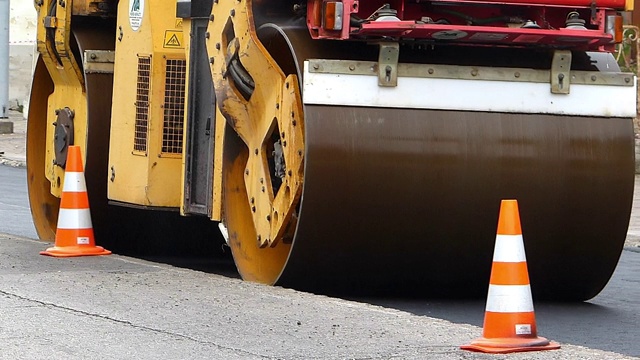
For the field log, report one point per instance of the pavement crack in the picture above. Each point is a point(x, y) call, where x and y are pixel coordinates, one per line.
point(136, 326)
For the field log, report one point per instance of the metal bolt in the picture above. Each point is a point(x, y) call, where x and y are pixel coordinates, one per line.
point(316, 66)
point(430, 71)
point(352, 67)
point(517, 74)
point(627, 80)
point(593, 78)
point(93, 56)
point(474, 72)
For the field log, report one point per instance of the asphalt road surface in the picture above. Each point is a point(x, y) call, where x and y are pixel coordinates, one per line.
point(124, 308)
point(14, 203)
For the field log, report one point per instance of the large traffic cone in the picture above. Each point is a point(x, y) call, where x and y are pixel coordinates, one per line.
point(74, 236)
point(509, 320)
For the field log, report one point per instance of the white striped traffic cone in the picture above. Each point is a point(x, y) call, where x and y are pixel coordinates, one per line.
point(74, 236)
point(509, 320)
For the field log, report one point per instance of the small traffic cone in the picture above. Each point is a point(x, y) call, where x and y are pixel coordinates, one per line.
point(74, 236)
point(509, 320)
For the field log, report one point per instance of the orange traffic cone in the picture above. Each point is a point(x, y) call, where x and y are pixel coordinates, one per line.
point(509, 320)
point(74, 236)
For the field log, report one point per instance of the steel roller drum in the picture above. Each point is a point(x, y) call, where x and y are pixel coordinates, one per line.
point(405, 201)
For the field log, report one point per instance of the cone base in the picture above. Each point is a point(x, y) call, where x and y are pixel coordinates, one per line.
point(509, 345)
point(70, 251)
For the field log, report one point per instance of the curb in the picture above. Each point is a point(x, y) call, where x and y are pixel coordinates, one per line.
point(12, 162)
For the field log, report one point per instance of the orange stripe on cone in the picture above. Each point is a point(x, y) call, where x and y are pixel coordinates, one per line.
point(505, 273)
point(74, 200)
point(74, 235)
point(509, 320)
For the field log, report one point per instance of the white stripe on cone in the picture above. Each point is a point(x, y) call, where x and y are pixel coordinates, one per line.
point(74, 219)
point(509, 248)
point(74, 182)
point(509, 299)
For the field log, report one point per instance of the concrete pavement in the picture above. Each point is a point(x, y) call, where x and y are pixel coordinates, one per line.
point(114, 307)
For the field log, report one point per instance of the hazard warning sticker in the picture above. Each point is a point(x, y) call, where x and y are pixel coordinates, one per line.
point(173, 39)
point(136, 11)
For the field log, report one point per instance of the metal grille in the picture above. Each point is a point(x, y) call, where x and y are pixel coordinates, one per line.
point(142, 104)
point(174, 107)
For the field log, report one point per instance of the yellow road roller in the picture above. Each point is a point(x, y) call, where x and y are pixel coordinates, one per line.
point(343, 147)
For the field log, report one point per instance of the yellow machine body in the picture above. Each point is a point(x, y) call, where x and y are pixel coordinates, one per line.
point(145, 151)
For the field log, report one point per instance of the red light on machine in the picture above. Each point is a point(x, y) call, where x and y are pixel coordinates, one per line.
point(333, 15)
point(614, 27)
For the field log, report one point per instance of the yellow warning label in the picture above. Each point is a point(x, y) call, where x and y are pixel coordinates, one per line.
point(178, 24)
point(173, 39)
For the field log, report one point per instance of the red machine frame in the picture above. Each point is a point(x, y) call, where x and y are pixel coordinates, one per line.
point(593, 25)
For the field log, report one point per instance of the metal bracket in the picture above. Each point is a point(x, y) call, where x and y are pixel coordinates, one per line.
point(63, 135)
point(388, 64)
point(50, 22)
point(98, 61)
point(561, 72)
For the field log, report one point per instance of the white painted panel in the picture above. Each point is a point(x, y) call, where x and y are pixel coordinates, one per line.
point(468, 95)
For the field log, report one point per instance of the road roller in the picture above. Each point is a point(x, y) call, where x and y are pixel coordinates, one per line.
point(348, 147)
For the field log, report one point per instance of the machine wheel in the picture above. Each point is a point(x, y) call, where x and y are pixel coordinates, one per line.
point(44, 206)
point(125, 230)
point(405, 201)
